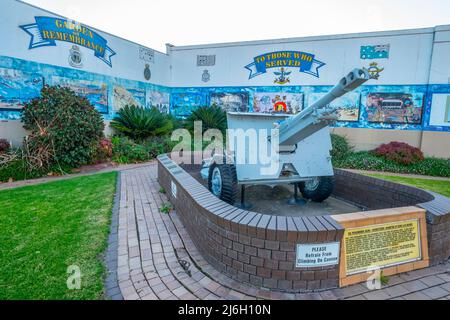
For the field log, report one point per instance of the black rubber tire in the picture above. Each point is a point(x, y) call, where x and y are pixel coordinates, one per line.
point(322, 192)
point(229, 182)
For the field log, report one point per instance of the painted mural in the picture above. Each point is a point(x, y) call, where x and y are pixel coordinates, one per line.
point(128, 96)
point(447, 110)
point(269, 102)
point(95, 92)
point(16, 89)
point(348, 106)
point(394, 107)
point(28, 77)
point(231, 102)
point(182, 104)
point(159, 100)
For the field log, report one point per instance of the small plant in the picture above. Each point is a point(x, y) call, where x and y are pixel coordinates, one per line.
point(399, 152)
point(341, 147)
point(4, 146)
point(127, 151)
point(162, 190)
point(140, 123)
point(384, 280)
point(166, 208)
point(212, 117)
point(105, 150)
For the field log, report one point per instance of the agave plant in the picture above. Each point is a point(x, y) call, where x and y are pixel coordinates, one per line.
point(211, 117)
point(140, 123)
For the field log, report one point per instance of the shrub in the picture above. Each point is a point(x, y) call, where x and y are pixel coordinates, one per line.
point(159, 145)
point(341, 147)
point(64, 125)
point(211, 117)
point(127, 151)
point(140, 123)
point(104, 151)
point(399, 152)
point(368, 161)
point(4, 146)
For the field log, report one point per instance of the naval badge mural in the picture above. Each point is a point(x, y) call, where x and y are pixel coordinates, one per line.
point(48, 30)
point(75, 57)
point(277, 102)
point(283, 60)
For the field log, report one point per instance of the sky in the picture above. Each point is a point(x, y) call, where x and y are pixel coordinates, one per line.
point(154, 23)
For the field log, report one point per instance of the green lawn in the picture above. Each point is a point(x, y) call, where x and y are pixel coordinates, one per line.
point(49, 227)
point(442, 187)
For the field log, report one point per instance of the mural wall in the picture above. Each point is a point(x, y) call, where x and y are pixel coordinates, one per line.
point(17, 88)
point(94, 91)
point(285, 75)
point(21, 81)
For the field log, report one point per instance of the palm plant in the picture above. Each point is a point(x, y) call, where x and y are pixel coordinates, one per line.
point(212, 117)
point(141, 123)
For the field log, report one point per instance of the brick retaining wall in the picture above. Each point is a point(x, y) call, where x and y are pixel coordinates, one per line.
point(372, 194)
point(261, 249)
point(250, 247)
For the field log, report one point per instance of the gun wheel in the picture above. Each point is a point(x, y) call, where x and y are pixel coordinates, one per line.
point(223, 183)
point(318, 189)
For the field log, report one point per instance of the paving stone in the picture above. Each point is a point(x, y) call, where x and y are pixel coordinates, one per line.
point(413, 286)
point(417, 296)
point(376, 295)
point(435, 293)
point(446, 286)
point(144, 255)
point(396, 291)
point(431, 281)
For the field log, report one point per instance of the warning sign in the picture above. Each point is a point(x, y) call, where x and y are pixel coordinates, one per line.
point(382, 246)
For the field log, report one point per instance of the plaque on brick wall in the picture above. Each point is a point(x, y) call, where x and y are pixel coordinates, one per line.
point(317, 255)
point(382, 246)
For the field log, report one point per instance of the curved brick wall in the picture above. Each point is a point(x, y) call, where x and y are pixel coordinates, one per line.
point(261, 249)
point(248, 246)
point(373, 194)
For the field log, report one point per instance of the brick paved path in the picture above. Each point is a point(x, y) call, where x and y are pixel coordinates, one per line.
point(153, 251)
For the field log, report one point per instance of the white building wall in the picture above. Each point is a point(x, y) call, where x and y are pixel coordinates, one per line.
point(410, 54)
point(125, 64)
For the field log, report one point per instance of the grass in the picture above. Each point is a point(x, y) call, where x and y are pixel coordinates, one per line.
point(49, 227)
point(438, 186)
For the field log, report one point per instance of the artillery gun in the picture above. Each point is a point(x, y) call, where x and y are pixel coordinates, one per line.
point(300, 148)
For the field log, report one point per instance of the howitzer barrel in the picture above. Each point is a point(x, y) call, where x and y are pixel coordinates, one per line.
point(319, 115)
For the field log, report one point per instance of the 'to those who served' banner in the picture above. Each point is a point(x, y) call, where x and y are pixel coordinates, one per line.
point(304, 61)
point(47, 30)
